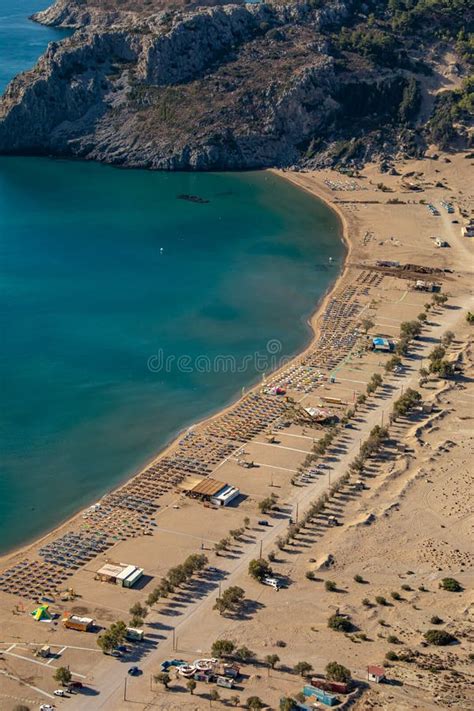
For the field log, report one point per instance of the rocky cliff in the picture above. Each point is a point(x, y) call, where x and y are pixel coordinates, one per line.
point(234, 86)
point(77, 14)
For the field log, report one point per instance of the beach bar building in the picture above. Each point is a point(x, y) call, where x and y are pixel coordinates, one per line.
point(217, 492)
point(122, 574)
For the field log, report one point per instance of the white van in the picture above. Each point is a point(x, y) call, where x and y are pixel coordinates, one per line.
point(272, 582)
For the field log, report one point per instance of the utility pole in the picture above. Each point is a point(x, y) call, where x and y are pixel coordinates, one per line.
point(125, 689)
point(260, 549)
point(296, 515)
point(174, 639)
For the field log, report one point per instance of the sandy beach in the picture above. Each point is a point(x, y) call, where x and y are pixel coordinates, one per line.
point(405, 531)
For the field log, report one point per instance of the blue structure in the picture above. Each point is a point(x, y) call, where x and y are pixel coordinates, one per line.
point(382, 344)
point(324, 696)
point(172, 663)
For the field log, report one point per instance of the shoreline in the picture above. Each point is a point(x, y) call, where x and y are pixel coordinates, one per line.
point(313, 322)
point(401, 499)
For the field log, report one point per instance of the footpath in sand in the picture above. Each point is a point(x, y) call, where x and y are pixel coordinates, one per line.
point(403, 533)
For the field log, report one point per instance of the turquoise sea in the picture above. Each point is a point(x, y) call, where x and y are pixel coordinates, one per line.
point(106, 278)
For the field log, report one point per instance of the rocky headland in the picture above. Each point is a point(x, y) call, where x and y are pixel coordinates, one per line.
point(233, 86)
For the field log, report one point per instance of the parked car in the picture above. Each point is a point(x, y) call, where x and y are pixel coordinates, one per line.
point(134, 671)
point(59, 692)
point(263, 522)
point(47, 707)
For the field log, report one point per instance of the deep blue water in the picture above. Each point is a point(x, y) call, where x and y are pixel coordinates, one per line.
point(102, 271)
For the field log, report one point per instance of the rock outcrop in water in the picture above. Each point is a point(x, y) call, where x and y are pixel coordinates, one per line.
point(223, 87)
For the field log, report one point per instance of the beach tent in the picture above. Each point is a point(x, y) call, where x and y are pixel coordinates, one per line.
point(41, 613)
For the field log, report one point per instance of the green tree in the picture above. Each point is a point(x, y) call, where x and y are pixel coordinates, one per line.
point(162, 678)
point(245, 654)
point(231, 600)
point(272, 660)
point(339, 623)
point(402, 346)
point(235, 700)
point(213, 696)
point(450, 584)
point(106, 641)
point(406, 402)
point(222, 648)
point(440, 638)
point(267, 504)
point(374, 383)
point(165, 588)
point(367, 324)
point(447, 338)
point(411, 99)
point(287, 704)
point(112, 637)
point(259, 569)
point(63, 676)
point(303, 668)
point(153, 597)
point(177, 575)
point(439, 299)
point(437, 353)
point(138, 610)
point(191, 685)
point(194, 563)
point(255, 703)
point(219, 547)
point(410, 329)
point(337, 672)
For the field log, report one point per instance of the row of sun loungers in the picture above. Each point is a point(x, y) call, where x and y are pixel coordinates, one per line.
point(33, 579)
point(128, 511)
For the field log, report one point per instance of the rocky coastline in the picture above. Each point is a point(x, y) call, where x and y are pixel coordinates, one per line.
point(215, 87)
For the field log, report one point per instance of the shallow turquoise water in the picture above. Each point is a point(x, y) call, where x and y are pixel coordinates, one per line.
point(103, 274)
point(22, 41)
